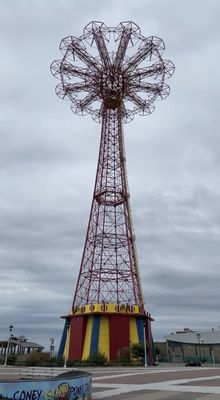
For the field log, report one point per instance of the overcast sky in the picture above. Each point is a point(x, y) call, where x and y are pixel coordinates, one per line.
point(48, 160)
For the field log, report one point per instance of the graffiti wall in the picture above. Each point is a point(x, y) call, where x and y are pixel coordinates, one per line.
point(56, 389)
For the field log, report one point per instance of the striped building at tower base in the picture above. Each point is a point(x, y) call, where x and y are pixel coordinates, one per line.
point(106, 329)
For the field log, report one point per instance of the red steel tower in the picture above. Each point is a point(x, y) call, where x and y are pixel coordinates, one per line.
point(122, 75)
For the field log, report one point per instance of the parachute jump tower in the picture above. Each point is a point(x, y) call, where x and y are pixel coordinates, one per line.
point(112, 74)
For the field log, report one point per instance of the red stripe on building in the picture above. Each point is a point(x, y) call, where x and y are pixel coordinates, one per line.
point(119, 334)
point(78, 329)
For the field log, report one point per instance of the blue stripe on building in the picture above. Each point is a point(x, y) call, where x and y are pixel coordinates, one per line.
point(95, 335)
point(63, 340)
point(140, 330)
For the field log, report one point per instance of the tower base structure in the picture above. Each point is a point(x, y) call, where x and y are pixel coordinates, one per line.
point(106, 329)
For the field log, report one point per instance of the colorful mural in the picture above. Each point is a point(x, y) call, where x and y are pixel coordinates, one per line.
point(56, 389)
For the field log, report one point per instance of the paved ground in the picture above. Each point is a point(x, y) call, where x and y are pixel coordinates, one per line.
point(177, 383)
point(170, 383)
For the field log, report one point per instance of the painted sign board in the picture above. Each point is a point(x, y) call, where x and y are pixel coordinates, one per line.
point(68, 388)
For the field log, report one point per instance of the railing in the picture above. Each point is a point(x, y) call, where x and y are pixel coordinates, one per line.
point(42, 371)
point(32, 371)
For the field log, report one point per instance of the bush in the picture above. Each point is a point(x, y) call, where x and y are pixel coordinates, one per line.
point(60, 362)
point(124, 356)
point(96, 359)
point(51, 362)
point(73, 363)
point(11, 359)
point(137, 351)
point(35, 359)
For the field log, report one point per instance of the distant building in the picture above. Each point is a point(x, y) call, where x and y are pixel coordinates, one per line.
point(18, 346)
point(191, 345)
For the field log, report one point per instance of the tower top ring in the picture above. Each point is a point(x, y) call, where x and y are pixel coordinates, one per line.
point(112, 68)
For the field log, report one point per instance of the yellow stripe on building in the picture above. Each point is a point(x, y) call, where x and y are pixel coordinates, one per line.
point(67, 345)
point(103, 346)
point(87, 341)
point(133, 331)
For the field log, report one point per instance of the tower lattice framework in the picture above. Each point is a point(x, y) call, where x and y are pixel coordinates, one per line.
point(108, 271)
point(121, 75)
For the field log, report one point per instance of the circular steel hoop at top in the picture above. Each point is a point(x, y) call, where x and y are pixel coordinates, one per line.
point(113, 68)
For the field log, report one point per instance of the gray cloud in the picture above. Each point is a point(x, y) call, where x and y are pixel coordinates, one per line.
point(48, 161)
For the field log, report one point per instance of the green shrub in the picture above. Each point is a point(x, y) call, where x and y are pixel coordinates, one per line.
point(124, 356)
point(35, 359)
point(73, 363)
point(11, 359)
point(60, 362)
point(96, 359)
point(137, 352)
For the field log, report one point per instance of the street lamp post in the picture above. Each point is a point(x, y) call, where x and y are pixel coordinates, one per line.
point(174, 358)
point(8, 345)
point(198, 334)
point(145, 345)
point(65, 361)
point(202, 341)
point(52, 347)
point(213, 358)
